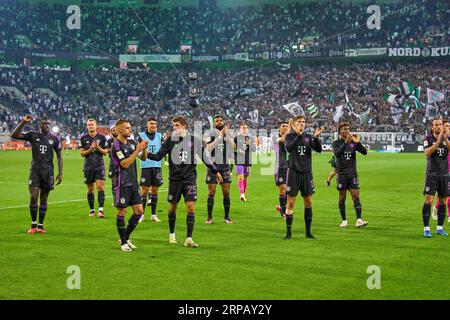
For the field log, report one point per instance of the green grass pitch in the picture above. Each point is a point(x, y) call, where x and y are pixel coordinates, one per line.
point(247, 260)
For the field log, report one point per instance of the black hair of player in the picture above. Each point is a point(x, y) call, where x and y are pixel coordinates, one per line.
point(151, 118)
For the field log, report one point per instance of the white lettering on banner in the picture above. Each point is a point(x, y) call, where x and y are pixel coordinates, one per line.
point(155, 58)
point(417, 52)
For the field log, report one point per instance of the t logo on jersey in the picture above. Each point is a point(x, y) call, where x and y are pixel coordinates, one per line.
point(42, 149)
point(347, 155)
point(183, 156)
point(440, 151)
point(301, 150)
point(152, 149)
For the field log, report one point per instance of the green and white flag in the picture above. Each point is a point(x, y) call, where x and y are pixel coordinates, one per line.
point(313, 110)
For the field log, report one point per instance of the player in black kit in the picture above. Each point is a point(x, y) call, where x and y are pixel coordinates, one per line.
point(221, 146)
point(344, 149)
point(182, 148)
point(40, 182)
point(109, 142)
point(300, 145)
point(126, 187)
point(436, 147)
point(281, 166)
point(93, 148)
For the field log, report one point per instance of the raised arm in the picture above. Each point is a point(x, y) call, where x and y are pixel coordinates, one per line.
point(17, 133)
point(360, 148)
point(291, 141)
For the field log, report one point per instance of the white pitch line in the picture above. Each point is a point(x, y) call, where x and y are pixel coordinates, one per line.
point(56, 202)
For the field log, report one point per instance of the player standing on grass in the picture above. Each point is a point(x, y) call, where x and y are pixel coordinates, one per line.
point(40, 181)
point(344, 149)
point(151, 172)
point(436, 147)
point(110, 142)
point(281, 166)
point(300, 145)
point(243, 157)
point(434, 214)
point(93, 148)
point(332, 172)
point(221, 145)
point(182, 148)
point(124, 153)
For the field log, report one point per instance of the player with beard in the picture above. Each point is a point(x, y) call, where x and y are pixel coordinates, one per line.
point(124, 153)
point(40, 181)
point(436, 146)
point(221, 146)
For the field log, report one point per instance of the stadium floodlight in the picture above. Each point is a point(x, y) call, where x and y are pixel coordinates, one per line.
point(55, 129)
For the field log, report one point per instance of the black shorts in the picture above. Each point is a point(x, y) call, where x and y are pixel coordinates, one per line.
point(178, 188)
point(125, 196)
point(92, 175)
point(280, 177)
point(347, 182)
point(41, 178)
point(439, 184)
point(302, 182)
point(211, 178)
point(151, 177)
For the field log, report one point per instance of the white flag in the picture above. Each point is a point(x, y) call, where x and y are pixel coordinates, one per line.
point(338, 113)
point(294, 108)
point(434, 96)
point(254, 116)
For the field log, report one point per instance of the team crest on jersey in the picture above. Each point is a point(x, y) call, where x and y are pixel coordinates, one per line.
point(50, 142)
point(122, 200)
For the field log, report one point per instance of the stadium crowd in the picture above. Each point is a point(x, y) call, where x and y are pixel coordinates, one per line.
point(107, 94)
point(326, 24)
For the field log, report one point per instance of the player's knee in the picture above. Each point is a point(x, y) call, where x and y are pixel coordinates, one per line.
point(154, 190)
point(90, 188)
point(101, 188)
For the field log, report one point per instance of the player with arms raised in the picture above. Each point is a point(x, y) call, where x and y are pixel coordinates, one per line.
point(40, 182)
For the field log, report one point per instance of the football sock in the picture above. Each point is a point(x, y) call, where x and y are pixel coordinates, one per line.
point(358, 209)
point(342, 209)
point(226, 206)
point(172, 218)
point(144, 201)
point(245, 186)
point(289, 220)
point(426, 214)
point(154, 203)
point(132, 223)
point(91, 199)
point(308, 220)
point(120, 223)
point(210, 205)
point(42, 212)
point(283, 201)
point(441, 215)
point(448, 206)
point(101, 199)
point(33, 212)
point(241, 186)
point(190, 219)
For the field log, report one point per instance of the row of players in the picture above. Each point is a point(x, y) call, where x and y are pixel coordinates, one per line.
point(294, 149)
